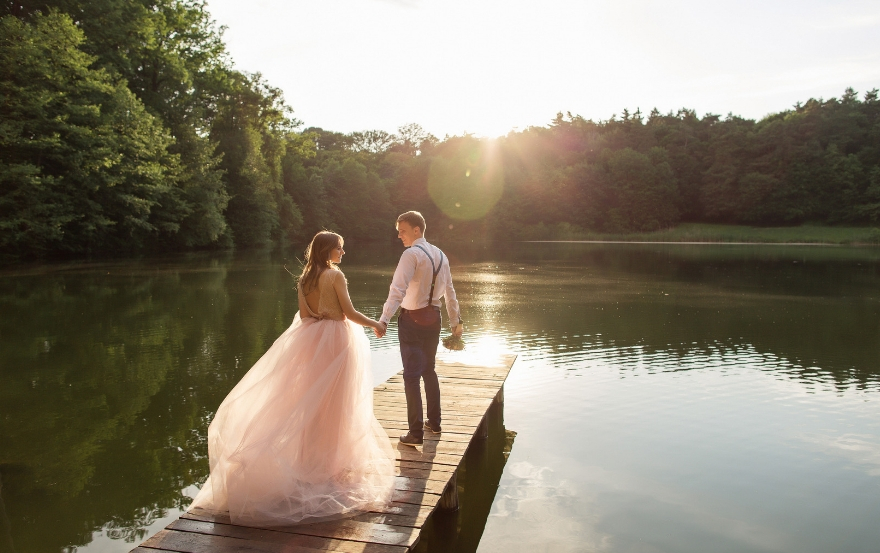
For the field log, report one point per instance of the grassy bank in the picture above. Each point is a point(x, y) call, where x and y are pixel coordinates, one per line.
point(692, 232)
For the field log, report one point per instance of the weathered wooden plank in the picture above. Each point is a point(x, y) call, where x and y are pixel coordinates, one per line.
point(422, 474)
point(394, 399)
point(463, 404)
point(473, 378)
point(458, 379)
point(405, 464)
point(394, 433)
point(344, 529)
point(427, 474)
point(471, 370)
point(422, 512)
point(353, 530)
point(395, 413)
point(395, 429)
point(189, 542)
point(397, 514)
point(454, 426)
point(423, 485)
point(501, 362)
point(464, 377)
point(449, 413)
point(416, 515)
point(414, 497)
point(279, 536)
point(465, 371)
point(413, 454)
point(451, 387)
point(398, 427)
point(447, 404)
point(394, 396)
point(431, 451)
point(455, 411)
point(477, 384)
point(446, 447)
point(420, 484)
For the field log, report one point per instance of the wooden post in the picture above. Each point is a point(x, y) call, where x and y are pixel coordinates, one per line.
point(449, 499)
point(499, 397)
point(483, 430)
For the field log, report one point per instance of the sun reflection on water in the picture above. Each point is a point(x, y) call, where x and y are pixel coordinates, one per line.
point(480, 349)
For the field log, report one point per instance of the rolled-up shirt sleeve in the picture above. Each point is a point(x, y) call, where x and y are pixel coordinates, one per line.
point(406, 268)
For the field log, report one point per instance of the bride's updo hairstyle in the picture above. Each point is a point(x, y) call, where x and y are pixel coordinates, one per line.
point(318, 259)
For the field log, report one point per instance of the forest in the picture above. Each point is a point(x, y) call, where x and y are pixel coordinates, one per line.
point(125, 127)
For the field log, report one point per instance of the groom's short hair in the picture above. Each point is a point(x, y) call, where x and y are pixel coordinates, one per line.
point(413, 219)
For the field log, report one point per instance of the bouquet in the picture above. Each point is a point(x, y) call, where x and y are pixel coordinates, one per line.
point(453, 342)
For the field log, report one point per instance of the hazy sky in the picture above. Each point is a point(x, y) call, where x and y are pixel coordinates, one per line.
point(490, 66)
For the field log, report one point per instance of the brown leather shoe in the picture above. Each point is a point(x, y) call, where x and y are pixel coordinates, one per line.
point(435, 428)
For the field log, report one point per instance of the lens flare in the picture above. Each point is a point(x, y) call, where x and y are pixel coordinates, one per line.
point(466, 180)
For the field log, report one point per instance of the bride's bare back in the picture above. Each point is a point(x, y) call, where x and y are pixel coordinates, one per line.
point(322, 301)
point(330, 300)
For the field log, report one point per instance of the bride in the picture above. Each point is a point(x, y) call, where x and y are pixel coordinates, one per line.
point(296, 439)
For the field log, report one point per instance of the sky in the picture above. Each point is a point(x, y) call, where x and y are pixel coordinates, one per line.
point(488, 67)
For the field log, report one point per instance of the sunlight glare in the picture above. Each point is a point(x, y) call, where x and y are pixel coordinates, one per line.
point(480, 349)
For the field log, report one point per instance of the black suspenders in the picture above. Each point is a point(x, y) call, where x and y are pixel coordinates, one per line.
point(435, 269)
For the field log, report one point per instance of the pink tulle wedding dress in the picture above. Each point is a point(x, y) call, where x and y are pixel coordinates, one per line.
point(296, 439)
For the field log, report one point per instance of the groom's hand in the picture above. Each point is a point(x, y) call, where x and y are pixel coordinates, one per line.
point(383, 328)
point(457, 330)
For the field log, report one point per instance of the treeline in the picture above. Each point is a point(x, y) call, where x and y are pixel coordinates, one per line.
point(125, 127)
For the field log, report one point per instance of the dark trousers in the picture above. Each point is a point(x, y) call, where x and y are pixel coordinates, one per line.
point(418, 347)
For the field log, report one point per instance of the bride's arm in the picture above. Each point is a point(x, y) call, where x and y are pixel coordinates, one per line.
point(341, 287)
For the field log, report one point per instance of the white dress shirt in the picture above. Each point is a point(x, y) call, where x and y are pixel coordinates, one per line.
point(412, 283)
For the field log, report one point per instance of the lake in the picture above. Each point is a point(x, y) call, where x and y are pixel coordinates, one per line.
point(670, 398)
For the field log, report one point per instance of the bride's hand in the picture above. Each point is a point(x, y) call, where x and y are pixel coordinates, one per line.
point(378, 329)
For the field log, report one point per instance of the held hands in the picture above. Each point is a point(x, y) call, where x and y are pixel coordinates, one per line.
point(379, 329)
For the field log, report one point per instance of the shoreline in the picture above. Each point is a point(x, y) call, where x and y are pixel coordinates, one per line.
point(701, 242)
point(710, 233)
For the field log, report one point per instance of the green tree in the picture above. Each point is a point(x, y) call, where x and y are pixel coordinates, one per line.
point(636, 192)
point(357, 200)
point(84, 167)
point(251, 129)
point(172, 58)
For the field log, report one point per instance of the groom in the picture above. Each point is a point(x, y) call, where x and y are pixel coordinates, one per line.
point(421, 279)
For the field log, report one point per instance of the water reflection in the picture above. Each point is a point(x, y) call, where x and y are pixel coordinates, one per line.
point(110, 372)
point(478, 478)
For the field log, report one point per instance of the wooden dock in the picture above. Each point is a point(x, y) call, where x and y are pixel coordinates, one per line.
point(426, 479)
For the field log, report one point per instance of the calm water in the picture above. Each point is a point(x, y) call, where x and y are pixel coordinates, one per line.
point(666, 398)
